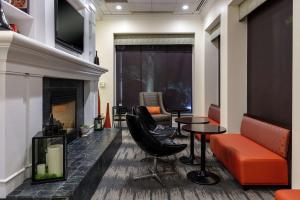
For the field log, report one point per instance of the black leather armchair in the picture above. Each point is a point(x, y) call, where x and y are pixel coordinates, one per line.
point(151, 145)
point(158, 130)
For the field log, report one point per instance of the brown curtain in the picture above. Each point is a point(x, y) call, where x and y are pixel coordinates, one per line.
point(270, 62)
point(165, 68)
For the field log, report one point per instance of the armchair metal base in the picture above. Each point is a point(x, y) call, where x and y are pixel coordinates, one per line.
point(154, 173)
point(151, 159)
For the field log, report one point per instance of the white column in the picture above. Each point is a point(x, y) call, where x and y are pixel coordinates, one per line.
point(90, 101)
point(34, 115)
point(20, 120)
point(199, 73)
point(2, 134)
point(13, 133)
point(233, 69)
point(296, 97)
point(95, 96)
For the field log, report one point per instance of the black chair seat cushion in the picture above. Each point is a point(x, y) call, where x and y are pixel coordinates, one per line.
point(148, 142)
point(165, 131)
point(159, 131)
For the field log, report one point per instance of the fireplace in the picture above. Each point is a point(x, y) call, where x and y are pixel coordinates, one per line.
point(64, 99)
point(65, 112)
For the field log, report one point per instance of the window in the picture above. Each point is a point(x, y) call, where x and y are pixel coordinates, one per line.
point(270, 62)
point(159, 68)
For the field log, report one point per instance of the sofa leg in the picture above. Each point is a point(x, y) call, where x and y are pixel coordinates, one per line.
point(245, 187)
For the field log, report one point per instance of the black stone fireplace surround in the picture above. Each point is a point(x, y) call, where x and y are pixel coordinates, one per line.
point(56, 91)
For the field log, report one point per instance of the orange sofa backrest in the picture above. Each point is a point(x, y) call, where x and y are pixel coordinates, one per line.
point(214, 113)
point(268, 135)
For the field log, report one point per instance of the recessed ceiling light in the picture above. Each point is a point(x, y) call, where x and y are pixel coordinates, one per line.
point(118, 7)
point(185, 7)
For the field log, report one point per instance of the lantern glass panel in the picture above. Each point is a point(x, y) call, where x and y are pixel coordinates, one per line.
point(98, 123)
point(49, 158)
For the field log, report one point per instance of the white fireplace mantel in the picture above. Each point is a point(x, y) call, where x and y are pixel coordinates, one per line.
point(23, 64)
point(39, 59)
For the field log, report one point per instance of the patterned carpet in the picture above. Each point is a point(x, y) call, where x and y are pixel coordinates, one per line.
point(118, 182)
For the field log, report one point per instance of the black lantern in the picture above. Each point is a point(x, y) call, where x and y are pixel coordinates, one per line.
point(53, 127)
point(98, 123)
point(48, 158)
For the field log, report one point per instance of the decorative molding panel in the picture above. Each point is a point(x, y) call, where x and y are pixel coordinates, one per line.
point(153, 39)
point(39, 59)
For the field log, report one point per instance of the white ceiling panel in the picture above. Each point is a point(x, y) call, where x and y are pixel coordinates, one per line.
point(163, 1)
point(140, 7)
point(151, 6)
point(163, 7)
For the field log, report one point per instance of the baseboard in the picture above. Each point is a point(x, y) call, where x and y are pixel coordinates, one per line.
point(10, 183)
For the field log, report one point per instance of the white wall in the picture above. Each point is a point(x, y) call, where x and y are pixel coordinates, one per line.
point(211, 71)
point(296, 97)
point(108, 26)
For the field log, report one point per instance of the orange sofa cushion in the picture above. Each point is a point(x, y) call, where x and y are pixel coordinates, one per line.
point(270, 136)
point(287, 195)
point(153, 109)
point(249, 162)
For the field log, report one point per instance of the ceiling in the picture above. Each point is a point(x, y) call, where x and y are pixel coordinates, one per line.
point(109, 7)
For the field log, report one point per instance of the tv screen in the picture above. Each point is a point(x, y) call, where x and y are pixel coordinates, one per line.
point(69, 26)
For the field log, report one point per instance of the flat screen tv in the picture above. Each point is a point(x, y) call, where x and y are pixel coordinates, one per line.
point(69, 26)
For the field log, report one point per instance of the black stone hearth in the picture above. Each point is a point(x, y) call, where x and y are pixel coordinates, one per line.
point(56, 91)
point(88, 159)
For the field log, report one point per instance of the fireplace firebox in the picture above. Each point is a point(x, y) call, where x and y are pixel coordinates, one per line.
point(64, 99)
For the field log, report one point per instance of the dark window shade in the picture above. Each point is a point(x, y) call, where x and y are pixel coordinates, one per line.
point(270, 62)
point(164, 68)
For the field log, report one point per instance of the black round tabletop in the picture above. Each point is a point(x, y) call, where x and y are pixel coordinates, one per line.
point(204, 128)
point(178, 109)
point(192, 120)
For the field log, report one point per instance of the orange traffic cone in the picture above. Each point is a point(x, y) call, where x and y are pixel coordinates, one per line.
point(107, 123)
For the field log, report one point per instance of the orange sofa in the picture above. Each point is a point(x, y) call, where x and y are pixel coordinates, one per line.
point(213, 117)
point(287, 195)
point(257, 156)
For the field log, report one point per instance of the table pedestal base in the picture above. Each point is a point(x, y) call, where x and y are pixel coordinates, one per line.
point(203, 177)
point(190, 161)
